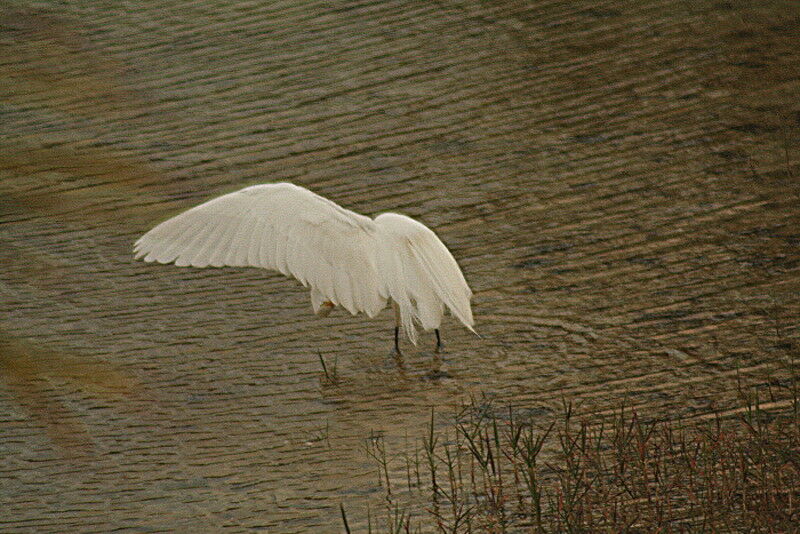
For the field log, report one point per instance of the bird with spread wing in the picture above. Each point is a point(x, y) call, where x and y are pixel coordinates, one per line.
point(347, 259)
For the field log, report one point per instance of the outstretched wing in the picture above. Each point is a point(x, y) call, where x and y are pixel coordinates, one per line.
point(282, 227)
point(420, 274)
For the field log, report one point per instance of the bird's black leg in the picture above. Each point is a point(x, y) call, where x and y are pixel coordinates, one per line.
point(397, 321)
point(397, 340)
point(439, 345)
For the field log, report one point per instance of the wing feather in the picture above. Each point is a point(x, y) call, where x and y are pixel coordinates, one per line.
point(207, 247)
point(237, 253)
point(223, 243)
point(420, 274)
point(253, 247)
point(281, 227)
point(266, 244)
point(169, 253)
point(445, 276)
point(280, 253)
point(201, 233)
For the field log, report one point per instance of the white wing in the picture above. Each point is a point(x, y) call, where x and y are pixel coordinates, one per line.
point(282, 227)
point(420, 274)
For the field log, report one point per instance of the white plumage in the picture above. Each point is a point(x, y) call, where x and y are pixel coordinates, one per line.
point(347, 259)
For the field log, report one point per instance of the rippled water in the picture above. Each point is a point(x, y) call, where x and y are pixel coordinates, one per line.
point(617, 180)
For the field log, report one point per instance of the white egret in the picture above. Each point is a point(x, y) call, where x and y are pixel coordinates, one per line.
point(347, 259)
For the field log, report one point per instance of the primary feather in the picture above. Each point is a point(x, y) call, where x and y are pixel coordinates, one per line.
point(347, 259)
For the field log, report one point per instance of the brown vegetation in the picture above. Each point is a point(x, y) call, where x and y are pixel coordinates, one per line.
point(625, 473)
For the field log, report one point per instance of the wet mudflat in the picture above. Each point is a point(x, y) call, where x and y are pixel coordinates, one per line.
point(619, 182)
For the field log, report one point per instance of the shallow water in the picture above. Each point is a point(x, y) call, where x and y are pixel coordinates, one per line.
point(618, 182)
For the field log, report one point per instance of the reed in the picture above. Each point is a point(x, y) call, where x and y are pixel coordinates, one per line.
point(497, 470)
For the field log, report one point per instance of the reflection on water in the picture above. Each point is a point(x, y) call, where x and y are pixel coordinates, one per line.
point(617, 183)
point(56, 65)
point(40, 378)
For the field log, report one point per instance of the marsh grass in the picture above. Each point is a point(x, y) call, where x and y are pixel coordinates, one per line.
point(623, 473)
point(330, 373)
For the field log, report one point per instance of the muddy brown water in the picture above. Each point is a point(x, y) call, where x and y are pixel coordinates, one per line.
point(618, 181)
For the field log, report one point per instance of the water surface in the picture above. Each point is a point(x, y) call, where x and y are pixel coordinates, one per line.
point(617, 180)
